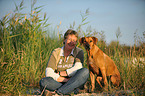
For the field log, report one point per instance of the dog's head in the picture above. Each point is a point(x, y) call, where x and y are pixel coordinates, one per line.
point(88, 42)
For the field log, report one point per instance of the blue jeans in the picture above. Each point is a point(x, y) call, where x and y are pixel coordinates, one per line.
point(76, 81)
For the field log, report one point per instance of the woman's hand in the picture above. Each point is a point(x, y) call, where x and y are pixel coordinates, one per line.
point(62, 79)
point(63, 73)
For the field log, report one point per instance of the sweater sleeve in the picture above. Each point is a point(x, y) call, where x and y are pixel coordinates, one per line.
point(73, 70)
point(50, 73)
point(52, 64)
point(52, 61)
point(54, 58)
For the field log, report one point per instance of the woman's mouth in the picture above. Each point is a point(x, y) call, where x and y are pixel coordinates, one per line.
point(71, 45)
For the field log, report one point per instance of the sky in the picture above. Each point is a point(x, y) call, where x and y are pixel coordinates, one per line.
point(104, 15)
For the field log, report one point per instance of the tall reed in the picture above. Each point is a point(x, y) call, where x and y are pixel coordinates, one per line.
point(25, 49)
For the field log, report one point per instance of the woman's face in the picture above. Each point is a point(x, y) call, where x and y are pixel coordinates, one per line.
point(70, 42)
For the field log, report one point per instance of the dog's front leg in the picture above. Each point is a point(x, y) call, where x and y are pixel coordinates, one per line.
point(92, 76)
point(103, 71)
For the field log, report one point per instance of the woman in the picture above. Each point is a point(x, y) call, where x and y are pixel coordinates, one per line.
point(65, 72)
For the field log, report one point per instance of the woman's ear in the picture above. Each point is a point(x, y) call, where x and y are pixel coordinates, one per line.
point(95, 40)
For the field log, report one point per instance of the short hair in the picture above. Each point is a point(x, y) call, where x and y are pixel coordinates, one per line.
point(70, 32)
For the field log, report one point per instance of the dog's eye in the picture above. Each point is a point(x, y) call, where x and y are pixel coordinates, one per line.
point(91, 41)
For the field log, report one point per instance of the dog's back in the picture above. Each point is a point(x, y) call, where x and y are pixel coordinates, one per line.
point(111, 70)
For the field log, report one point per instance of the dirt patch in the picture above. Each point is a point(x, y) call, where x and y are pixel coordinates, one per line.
point(36, 92)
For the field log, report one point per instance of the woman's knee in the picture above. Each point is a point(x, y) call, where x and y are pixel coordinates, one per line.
point(44, 81)
point(49, 83)
point(84, 72)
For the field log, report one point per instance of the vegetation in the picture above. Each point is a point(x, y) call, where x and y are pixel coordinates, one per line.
point(26, 44)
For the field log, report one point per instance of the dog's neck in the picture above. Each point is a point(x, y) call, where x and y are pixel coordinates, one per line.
point(93, 50)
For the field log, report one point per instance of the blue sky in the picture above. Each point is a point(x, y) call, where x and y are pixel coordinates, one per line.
point(104, 15)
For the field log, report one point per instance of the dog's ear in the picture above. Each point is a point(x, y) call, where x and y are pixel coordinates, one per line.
point(95, 40)
point(81, 40)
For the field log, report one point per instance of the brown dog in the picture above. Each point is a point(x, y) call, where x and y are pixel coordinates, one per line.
point(99, 63)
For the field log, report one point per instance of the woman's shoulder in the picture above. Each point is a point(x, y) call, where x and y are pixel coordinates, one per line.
point(56, 51)
point(77, 50)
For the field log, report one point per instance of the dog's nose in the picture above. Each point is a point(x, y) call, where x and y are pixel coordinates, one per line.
point(87, 46)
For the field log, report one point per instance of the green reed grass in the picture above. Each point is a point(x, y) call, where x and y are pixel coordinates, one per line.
point(26, 45)
point(25, 49)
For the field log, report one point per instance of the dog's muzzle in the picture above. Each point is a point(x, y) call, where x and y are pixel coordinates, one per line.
point(87, 46)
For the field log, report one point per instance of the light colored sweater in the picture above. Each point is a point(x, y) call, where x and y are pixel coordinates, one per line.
point(56, 62)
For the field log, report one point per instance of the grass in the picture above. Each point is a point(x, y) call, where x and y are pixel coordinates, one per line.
point(26, 44)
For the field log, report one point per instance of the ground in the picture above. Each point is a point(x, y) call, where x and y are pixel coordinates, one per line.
point(36, 92)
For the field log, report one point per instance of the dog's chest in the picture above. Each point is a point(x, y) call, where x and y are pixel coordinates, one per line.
point(92, 65)
point(90, 60)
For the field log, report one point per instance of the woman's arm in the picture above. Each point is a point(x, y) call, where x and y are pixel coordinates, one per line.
point(50, 73)
point(79, 59)
point(73, 70)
